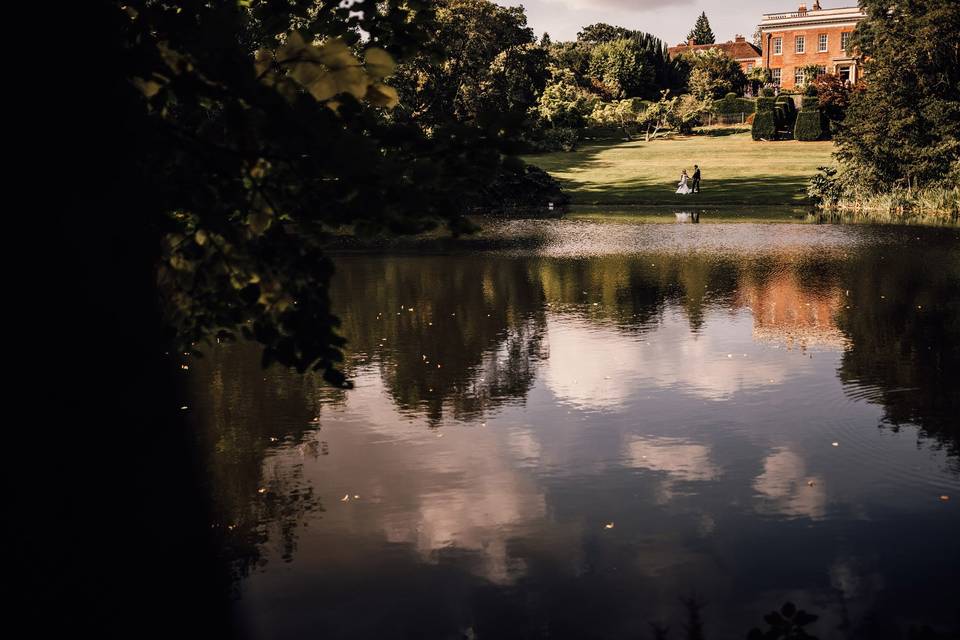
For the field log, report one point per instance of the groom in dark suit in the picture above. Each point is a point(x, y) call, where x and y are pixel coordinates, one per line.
point(696, 179)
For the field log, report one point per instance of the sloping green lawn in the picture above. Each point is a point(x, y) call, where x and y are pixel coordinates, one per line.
point(736, 170)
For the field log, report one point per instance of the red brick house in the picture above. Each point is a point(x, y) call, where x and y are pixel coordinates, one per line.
point(796, 39)
point(739, 49)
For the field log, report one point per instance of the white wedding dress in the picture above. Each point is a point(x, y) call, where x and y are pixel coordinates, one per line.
point(683, 188)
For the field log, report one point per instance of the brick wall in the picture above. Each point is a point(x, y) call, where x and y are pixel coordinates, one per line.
point(789, 60)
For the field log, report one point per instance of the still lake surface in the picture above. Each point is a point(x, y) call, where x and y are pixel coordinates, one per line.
point(568, 428)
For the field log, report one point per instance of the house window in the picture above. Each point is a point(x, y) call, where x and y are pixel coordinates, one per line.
point(749, 67)
point(822, 42)
point(844, 40)
point(800, 44)
point(821, 71)
point(798, 77)
point(777, 46)
point(775, 75)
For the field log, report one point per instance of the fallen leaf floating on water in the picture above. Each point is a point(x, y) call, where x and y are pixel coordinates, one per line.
point(261, 490)
point(184, 367)
point(345, 498)
point(810, 483)
point(836, 444)
point(356, 497)
point(609, 525)
point(944, 498)
point(183, 408)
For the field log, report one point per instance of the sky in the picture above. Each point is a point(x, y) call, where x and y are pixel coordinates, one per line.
point(669, 20)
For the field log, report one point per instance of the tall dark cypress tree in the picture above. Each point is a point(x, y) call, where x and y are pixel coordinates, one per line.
point(701, 32)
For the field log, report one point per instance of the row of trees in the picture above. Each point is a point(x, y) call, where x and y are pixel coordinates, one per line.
point(483, 67)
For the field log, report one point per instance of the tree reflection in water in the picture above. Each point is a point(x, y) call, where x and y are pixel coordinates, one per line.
point(903, 319)
point(486, 320)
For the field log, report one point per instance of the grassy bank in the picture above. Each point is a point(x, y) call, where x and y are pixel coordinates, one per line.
point(935, 205)
point(736, 170)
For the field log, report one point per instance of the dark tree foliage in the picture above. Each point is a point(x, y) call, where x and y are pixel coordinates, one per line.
point(465, 39)
point(701, 32)
point(903, 127)
point(252, 165)
point(653, 70)
point(213, 147)
point(602, 32)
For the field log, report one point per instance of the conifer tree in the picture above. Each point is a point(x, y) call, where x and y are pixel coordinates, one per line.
point(701, 32)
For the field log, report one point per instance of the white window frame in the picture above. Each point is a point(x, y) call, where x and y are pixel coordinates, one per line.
point(775, 76)
point(778, 46)
point(799, 77)
point(845, 40)
point(823, 42)
point(799, 44)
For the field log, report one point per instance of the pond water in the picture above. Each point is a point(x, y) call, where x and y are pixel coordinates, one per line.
point(576, 428)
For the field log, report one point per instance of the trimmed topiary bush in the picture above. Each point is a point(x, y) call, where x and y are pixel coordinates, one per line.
point(765, 104)
point(786, 113)
point(731, 96)
point(809, 126)
point(764, 126)
point(767, 92)
point(810, 102)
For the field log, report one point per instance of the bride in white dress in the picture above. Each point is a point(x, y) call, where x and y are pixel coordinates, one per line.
point(682, 187)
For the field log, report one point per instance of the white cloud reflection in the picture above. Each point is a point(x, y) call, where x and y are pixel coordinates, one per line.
point(785, 486)
point(599, 367)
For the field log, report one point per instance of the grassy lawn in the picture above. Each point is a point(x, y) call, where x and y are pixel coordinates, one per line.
point(736, 170)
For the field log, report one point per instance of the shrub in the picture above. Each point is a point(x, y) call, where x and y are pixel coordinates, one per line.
point(809, 126)
point(734, 105)
point(521, 186)
point(767, 92)
point(786, 113)
point(764, 126)
point(824, 188)
point(731, 96)
point(765, 103)
point(556, 139)
point(810, 102)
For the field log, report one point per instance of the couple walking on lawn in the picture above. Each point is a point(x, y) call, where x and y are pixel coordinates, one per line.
point(695, 187)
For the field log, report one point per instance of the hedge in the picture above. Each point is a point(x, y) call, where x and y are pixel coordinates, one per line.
point(734, 105)
point(764, 126)
point(810, 102)
point(786, 113)
point(765, 104)
point(809, 126)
